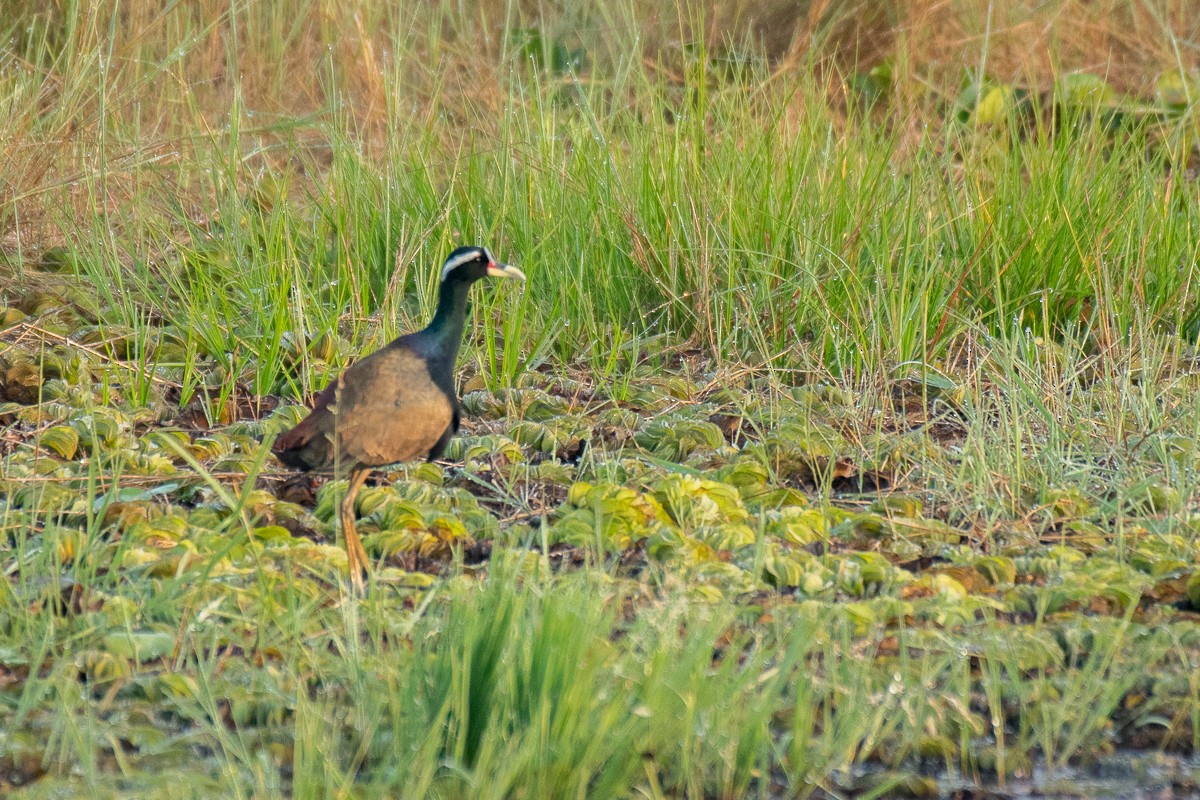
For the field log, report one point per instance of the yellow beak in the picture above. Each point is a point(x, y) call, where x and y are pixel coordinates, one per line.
point(498, 270)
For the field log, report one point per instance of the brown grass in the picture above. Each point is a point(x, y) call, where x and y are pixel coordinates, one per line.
point(163, 84)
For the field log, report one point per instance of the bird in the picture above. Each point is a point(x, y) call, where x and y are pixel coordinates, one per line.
point(397, 404)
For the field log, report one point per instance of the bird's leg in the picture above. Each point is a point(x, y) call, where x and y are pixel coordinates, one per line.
point(356, 556)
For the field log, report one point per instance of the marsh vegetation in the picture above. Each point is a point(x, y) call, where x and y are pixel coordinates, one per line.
point(842, 443)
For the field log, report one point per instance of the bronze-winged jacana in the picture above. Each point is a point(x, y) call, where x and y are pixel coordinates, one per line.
point(397, 404)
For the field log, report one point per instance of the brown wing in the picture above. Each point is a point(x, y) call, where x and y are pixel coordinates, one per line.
point(290, 447)
point(387, 409)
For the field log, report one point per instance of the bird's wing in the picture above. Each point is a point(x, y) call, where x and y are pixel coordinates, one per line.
point(389, 409)
point(316, 423)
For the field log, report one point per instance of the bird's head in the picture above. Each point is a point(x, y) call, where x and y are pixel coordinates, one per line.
point(472, 263)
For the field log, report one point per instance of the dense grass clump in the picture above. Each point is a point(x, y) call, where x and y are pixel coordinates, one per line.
point(777, 212)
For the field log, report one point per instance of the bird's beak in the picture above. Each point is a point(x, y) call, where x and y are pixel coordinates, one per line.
point(498, 270)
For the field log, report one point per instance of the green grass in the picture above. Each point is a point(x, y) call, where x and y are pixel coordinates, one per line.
point(890, 396)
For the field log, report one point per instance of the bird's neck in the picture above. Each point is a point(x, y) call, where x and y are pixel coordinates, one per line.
point(446, 327)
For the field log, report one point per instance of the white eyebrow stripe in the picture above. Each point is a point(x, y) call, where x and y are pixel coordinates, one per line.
point(458, 261)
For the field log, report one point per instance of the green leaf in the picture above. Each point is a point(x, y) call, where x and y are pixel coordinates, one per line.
point(133, 494)
point(997, 569)
point(62, 439)
point(273, 534)
point(1176, 91)
point(995, 104)
point(1193, 589)
point(140, 645)
point(1085, 90)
